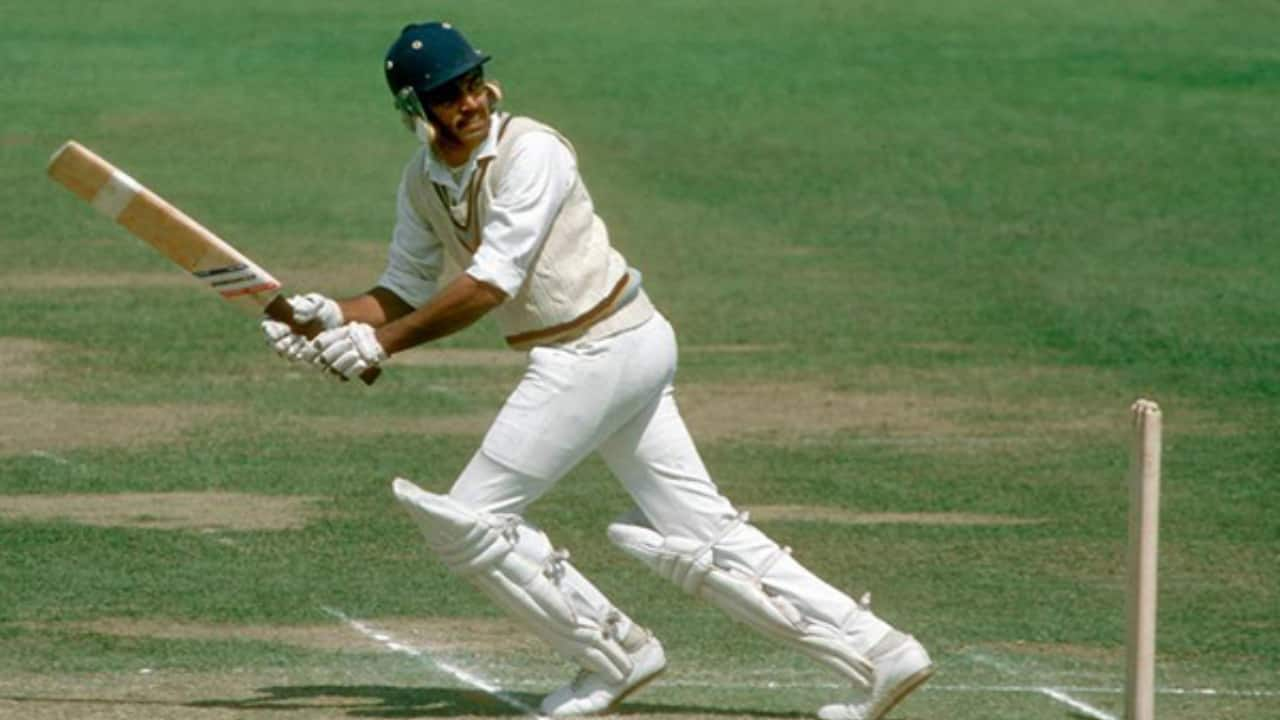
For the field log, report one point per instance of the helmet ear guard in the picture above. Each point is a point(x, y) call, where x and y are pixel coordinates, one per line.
point(413, 116)
point(409, 106)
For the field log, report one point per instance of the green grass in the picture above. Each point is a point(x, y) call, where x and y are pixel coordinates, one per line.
point(1018, 218)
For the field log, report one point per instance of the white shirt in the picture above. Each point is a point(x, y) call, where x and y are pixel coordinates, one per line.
point(524, 206)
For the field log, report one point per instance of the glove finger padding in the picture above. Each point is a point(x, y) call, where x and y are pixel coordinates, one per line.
point(314, 306)
point(348, 364)
point(275, 332)
point(349, 350)
point(285, 342)
point(334, 349)
point(367, 344)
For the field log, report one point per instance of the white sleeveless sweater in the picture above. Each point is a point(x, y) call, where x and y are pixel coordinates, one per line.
point(577, 286)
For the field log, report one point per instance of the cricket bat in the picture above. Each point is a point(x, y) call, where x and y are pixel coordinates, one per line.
point(193, 247)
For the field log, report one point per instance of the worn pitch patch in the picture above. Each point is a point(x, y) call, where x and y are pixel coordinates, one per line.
point(40, 426)
point(428, 356)
point(795, 410)
point(167, 511)
point(790, 412)
point(83, 281)
point(473, 424)
point(21, 358)
point(34, 426)
point(815, 513)
point(733, 348)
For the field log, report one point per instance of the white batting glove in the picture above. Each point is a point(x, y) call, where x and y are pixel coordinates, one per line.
point(349, 350)
point(287, 343)
point(314, 306)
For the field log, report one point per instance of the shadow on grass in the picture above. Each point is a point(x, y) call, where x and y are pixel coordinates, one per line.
point(366, 701)
point(369, 701)
point(386, 701)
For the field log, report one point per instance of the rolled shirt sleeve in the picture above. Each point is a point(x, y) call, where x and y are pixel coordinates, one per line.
point(415, 257)
point(525, 204)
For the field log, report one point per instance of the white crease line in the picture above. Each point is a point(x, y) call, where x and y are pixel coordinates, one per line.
point(1080, 707)
point(935, 687)
point(1056, 695)
point(1224, 693)
point(458, 673)
point(1085, 690)
point(469, 679)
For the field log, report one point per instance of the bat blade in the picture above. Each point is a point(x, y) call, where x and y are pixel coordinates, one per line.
point(190, 245)
point(206, 257)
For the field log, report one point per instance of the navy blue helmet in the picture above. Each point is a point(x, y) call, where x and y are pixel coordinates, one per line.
point(427, 57)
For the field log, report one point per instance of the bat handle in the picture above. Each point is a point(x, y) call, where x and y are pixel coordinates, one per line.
point(280, 310)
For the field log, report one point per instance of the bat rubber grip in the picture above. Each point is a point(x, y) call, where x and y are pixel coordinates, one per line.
point(280, 310)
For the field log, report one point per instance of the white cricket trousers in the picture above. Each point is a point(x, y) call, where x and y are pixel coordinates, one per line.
point(616, 396)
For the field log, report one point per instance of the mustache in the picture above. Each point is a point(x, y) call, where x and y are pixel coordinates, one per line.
point(469, 118)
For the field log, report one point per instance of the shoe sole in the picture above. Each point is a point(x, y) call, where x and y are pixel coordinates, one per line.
point(903, 689)
point(633, 689)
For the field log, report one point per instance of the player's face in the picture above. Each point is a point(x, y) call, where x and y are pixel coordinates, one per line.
point(461, 110)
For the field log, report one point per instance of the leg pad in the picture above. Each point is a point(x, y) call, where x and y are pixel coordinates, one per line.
point(513, 563)
point(744, 589)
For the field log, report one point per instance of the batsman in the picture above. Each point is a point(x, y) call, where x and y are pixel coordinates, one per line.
point(492, 217)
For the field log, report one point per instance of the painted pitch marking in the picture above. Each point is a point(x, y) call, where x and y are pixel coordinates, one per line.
point(1080, 707)
point(460, 674)
point(1059, 694)
point(1056, 695)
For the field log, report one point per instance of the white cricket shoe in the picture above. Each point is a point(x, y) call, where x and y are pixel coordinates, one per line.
point(901, 665)
point(590, 693)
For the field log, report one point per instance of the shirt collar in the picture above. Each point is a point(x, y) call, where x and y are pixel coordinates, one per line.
point(457, 178)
